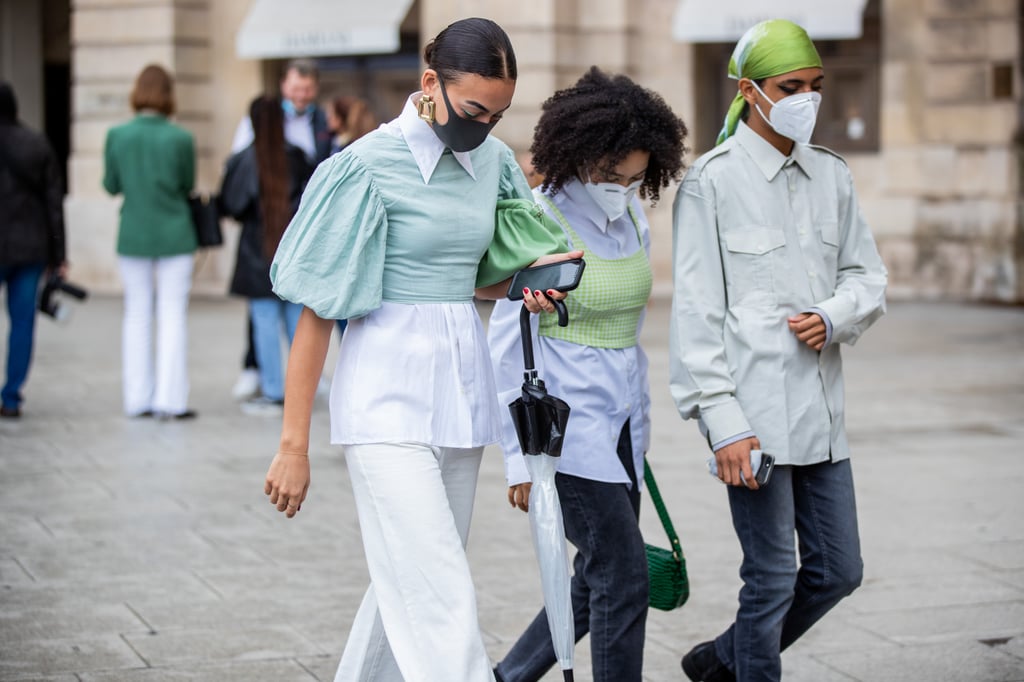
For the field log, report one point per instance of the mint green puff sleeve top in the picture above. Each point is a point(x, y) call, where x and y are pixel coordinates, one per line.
point(371, 229)
point(331, 257)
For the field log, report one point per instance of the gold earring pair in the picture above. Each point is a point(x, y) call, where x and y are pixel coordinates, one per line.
point(425, 108)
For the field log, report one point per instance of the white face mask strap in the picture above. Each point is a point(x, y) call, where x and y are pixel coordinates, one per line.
point(758, 106)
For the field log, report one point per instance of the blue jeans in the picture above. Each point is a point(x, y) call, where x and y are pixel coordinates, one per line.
point(269, 317)
point(609, 584)
point(779, 602)
point(22, 289)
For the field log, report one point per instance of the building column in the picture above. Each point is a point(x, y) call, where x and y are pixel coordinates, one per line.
point(948, 190)
point(111, 44)
point(21, 57)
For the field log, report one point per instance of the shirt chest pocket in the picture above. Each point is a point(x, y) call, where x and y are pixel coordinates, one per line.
point(829, 230)
point(751, 259)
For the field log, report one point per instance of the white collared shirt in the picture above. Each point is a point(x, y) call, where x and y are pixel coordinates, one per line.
point(298, 130)
point(425, 145)
point(760, 237)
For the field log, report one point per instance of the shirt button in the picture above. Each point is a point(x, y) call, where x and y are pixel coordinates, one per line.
point(792, 188)
point(810, 273)
point(803, 231)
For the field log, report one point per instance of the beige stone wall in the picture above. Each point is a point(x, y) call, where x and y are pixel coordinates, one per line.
point(21, 53)
point(943, 193)
point(112, 40)
point(556, 41)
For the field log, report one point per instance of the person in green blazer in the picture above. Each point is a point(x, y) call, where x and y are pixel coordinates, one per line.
point(151, 162)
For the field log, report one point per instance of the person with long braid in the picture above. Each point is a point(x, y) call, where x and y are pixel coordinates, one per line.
point(261, 189)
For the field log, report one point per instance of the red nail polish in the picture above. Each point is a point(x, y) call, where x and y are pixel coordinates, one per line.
point(525, 290)
point(537, 293)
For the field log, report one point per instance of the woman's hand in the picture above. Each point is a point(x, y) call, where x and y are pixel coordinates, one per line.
point(288, 481)
point(519, 496)
point(541, 301)
point(498, 290)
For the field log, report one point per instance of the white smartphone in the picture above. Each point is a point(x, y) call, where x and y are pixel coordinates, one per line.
point(761, 463)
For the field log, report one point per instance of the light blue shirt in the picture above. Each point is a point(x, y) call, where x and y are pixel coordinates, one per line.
point(603, 386)
point(298, 130)
point(760, 237)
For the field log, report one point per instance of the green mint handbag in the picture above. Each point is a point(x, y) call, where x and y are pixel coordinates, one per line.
point(666, 568)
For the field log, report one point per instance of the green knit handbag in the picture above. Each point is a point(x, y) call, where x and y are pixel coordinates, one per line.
point(666, 568)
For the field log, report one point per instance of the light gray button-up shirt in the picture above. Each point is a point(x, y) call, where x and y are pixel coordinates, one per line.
point(760, 237)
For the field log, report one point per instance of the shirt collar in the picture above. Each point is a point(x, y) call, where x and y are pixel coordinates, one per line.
point(576, 193)
point(292, 115)
point(766, 157)
point(423, 142)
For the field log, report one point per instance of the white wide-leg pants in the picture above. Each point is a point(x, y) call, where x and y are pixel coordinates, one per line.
point(418, 620)
point(166, 389)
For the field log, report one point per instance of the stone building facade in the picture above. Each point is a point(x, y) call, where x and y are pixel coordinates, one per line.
point(925, 103)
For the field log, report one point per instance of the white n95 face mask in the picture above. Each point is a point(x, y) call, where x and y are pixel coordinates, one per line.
point(794, 116)
point(612, 197)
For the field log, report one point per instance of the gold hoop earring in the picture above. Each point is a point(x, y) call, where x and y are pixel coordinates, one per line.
point(425, 108)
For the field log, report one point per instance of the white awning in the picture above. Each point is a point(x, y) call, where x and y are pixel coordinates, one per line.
point(725, 21)
point(306, 28)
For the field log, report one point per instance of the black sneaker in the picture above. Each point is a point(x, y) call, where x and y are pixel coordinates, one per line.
point(171, 416)
point(702, 664)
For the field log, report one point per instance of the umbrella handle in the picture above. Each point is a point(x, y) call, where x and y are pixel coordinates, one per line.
point(563, 313)
point(526, 332)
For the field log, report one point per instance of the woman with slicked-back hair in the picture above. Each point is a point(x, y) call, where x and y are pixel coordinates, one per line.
point(395, 233)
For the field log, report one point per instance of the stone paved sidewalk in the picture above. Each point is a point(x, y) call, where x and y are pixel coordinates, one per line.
point(136, 550)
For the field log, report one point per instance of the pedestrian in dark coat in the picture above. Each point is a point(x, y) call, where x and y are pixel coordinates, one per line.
point(31, 236)
point(261, 189)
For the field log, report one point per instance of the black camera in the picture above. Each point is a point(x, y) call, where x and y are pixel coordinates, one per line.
point(49, 299)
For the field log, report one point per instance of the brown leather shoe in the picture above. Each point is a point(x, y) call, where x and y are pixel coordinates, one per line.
point(10, 412)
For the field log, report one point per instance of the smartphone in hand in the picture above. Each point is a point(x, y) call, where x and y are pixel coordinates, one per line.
point(761, 463)
point(561, 276)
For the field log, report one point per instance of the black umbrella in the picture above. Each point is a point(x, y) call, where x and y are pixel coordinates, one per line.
point(540, 421)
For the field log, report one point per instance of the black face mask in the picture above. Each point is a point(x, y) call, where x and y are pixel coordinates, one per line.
point(461, 134)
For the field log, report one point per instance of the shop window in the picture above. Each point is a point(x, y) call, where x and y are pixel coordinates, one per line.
point(1002, 81)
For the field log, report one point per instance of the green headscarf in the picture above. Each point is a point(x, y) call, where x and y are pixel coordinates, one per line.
point(771, 48)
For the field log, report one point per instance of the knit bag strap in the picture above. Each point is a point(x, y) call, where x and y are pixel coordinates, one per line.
point(659, 505)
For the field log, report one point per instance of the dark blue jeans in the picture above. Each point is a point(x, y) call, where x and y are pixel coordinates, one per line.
point(22, 288)
point(609, 585)
point(779, 601)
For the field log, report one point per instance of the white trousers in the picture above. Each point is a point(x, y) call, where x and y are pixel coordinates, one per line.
point(418, 620)
point(166, 388)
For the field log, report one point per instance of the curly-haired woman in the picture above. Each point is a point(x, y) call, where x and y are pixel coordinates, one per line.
point(598, 145)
